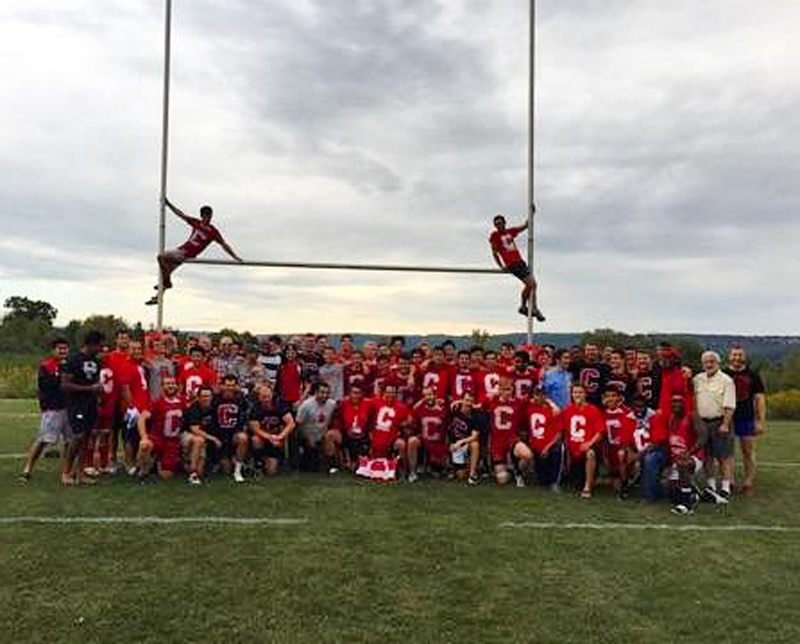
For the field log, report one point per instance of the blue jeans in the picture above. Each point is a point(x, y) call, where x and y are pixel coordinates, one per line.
point(653, 462)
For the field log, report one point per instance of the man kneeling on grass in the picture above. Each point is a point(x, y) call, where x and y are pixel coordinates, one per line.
point(270, 422)
point(160, 432)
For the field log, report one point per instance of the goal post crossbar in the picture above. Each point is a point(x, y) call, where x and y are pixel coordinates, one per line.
point(349, 267)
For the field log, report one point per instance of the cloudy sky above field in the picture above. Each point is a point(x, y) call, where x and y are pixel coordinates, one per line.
point(668, 148)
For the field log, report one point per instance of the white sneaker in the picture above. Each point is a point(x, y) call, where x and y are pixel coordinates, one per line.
point(194, 479)
point(237, 476)
point(92, 472)
point(412, 478)
point(520, 481)
point(333, 470)
point(133, 470)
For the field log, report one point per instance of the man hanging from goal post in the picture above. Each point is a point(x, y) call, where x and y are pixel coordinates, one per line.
point(203, 233)
point(508, 258)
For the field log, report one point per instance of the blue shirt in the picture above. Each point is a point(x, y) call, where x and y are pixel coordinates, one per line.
point(557, 384)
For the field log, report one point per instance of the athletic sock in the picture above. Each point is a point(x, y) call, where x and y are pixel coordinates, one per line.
point(712, 483)
point(726, 486)
point(237, 467)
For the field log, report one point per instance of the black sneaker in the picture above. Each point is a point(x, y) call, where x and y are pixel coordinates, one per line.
point(681, 509)
point(538, 315)
point(152, 301)
point(708, 495)
point(523, 310)
point(473, 480)
point(724, 496)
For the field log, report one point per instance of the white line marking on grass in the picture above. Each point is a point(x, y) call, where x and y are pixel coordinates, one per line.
point(787, 464)
point(689, 527)
point(19, 414)
point(210, 520)
point(13, 456)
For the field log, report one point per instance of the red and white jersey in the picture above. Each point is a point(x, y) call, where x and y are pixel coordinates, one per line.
point(487, 385)
point(136, 378)
point(109, 397)
point(503, 418)
point(431, 422)
point(193, 376)
point(438, 377)
point(390, 417)
point(581, 425)
point(202, 235)
point(682, 436)
point(503, 244)
point(620, 426)
point(463, 382)
point(353, 421)
point(167, 417)
point(405, 386)
point(524, 382)
point(542, 425)
point(357, 374)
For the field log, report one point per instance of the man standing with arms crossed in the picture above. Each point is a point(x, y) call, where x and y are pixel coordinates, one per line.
point(715, 403)
point(751, 411)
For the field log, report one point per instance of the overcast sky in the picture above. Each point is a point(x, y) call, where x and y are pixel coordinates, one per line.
point(390, 131)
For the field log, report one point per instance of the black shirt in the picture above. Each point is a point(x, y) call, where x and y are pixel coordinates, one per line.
point(648, 387)
point(197, 415)
point(229, 415)
point(85, 370)
point(748, 384)
point(462, 425)
point(592, 377)
point(270, 418)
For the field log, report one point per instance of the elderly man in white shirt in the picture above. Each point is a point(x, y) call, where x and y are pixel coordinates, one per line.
point(715, 403)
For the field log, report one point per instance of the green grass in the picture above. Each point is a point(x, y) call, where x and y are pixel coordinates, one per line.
point(394, 563)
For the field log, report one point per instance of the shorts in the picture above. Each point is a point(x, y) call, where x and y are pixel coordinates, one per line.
point(54, 425)
point(744, 428)
point(717, 445)
point(500, 447)
point(265, 450)
point(82, 420)
point(460, 456)
point(167, 452)
point(519, 270)
point(356, 447)
point(130, 427)
point(215, 454)
point(436, 452)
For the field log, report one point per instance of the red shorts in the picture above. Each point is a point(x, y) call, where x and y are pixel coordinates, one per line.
point(501, 445)
point(167, 452)
point(105, 419)
point(436, 451)
point(382, 444)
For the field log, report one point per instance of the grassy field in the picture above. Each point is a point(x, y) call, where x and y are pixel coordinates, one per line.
point(432, 562)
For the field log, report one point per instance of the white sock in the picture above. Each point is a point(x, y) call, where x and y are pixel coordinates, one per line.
point(712, 483)
point(726, 485)
point(237, 467)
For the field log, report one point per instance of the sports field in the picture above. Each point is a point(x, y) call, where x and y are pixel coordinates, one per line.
point(336, 560)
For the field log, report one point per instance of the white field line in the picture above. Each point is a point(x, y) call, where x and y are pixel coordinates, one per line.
point(13, 456)
point(689, 527)
point(145, 520)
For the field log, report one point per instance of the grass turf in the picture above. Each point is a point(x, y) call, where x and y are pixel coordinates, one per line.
point(422, 563)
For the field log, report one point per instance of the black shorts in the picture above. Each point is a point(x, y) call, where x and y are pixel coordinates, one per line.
point(215, 454)
point(356, 447)
point(520, 270)
point(266, 450)
point(82, 419)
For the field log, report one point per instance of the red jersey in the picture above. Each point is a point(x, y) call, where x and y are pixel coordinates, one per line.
point(109, 397)
point(504, 418)
point(431, 421)
point(581, 425)
point(462, 382)
point(620, 426)
point(166, 419)
point(353, 421)
point(202, 235)
point(503, 244)
point(405, 386)
point(524, 381)
point(542, 425)
point(358, 374)
point(135, 377)
point(438, 377)
point(682, 437)
point(290, 383)
point(117, 359)
point(193, 376)
point(389, 418)
point(487, 385)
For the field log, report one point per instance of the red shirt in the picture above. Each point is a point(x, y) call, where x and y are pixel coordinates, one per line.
point(542, 425)
point(431, 421)
point(488, 385)
point(503, 419)
point(389, 417)
point(167, 417)
point(202, 235)
point(503, 244)
point(290, 383)
point(357, 375)
point(620, 426)
point(682, 437)
point(404, 384)
point(354, 421)
point(193, 376)
point(524, 381)
point(135, 377)
point(462, 382)
point(109, 397)
point(117, 359)
point(438, 377)
point(581, 425)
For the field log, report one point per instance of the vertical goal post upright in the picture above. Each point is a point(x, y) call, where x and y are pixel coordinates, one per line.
point(530, 201)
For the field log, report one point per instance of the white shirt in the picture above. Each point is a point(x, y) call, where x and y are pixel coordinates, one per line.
point(714, 394)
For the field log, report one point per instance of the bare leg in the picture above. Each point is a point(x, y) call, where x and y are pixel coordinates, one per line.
point(749, 460)
point(474, 458)
point(34, 454)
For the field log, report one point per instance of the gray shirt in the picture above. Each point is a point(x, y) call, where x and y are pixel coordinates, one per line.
point(333, 376)
point(159, 367)
point(314, 418)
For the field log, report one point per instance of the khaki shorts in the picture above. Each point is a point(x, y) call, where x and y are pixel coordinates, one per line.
point(54, 425)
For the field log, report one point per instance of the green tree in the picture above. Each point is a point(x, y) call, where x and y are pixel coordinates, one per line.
point(480, 338)
point(24, 307)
